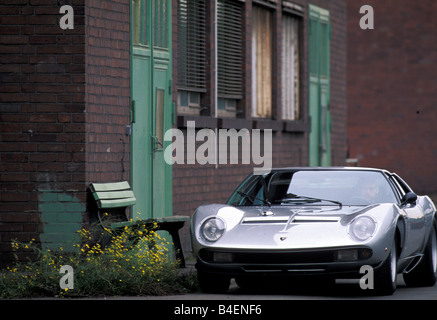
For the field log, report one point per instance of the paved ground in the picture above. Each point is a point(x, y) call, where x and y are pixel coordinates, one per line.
point(344, 289)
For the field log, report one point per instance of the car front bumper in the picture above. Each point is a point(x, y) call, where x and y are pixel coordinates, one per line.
point(335, 262)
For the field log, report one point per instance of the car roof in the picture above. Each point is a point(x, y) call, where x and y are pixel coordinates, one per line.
point(330, 169)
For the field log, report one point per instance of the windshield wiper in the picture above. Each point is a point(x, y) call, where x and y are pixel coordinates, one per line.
point(290, 197)
point(254, 198)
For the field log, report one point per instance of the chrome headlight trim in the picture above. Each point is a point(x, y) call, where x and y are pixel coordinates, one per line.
point(212, 229)
point(362, 228)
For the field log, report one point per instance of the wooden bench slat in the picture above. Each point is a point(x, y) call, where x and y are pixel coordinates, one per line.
point(117, 203)
point(113, 195)
point(112, 186)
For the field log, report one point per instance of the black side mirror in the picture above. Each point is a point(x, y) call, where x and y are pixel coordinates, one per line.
point(409, 198)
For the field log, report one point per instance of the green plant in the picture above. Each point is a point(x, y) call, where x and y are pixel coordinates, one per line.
point(132, 261)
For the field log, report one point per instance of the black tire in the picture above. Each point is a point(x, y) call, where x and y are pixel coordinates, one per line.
point(386, 275)
point(211, 283)
point(425, 273)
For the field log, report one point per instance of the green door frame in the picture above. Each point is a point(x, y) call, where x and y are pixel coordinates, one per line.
point(151, 107)
point(319, 86)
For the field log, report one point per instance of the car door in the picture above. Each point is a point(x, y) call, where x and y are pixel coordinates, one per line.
point(414, 219)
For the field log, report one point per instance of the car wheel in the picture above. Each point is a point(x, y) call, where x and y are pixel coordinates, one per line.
point(386, 275)
point(209, 283)
point(425, 273)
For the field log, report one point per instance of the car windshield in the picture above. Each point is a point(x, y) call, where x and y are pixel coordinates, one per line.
point(329, 187)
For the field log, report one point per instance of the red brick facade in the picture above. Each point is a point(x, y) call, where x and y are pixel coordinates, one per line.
point(107, 90)
point(64, 98)
point(391, 90)
point(42, 113)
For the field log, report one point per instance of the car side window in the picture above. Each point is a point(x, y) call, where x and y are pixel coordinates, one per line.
point(405, 187)
point(399, 191)
point(401, 186)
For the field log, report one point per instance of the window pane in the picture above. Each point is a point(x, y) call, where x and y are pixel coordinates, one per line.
point(290, 68)
point(324, 50)
point(183, 98)
point(160, 24)
point(221, 104)
point(139, 15)
point(313, 47)
point(261, 62)
point(159, 125)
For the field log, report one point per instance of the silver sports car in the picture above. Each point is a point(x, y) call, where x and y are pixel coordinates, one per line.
point(328, 222)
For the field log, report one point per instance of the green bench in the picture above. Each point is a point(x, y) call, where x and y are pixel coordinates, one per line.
point(118, 195)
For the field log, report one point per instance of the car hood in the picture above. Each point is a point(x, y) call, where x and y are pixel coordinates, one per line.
point(287, 227)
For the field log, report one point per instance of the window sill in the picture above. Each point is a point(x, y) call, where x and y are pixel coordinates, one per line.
point(200, 121)
point(296, 126)
point(236, 123)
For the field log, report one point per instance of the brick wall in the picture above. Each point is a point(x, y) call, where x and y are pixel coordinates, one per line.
point(107, 90)
point(64, 105)
point(391, 90)
point(42, 103)
point(338, 103)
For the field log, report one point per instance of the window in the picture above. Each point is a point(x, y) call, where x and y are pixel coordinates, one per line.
point(140, 34)
point(227, 107)
point(191, 54)
point(189, 102)
point(160, 38)
point(139, 9)
point(229, 55)
point(290, 68)
point(159, 118)
point(261, 62)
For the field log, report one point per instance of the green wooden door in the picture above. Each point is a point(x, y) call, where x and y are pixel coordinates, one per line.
point(319, 88)
point(151, 176)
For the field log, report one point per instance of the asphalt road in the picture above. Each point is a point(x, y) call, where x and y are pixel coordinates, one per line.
point(344, 289)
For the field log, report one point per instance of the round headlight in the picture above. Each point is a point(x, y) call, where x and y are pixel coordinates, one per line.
point(212, 229)
point(362, 228)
